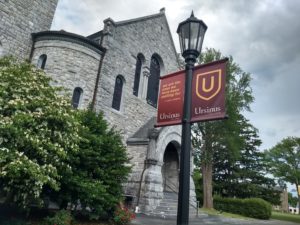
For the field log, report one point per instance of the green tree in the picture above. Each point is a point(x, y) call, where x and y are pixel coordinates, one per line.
point(38, 130)
point(244, 176)
point(292, 200)
point(210, 137)
point(98, 170)
point(284, 161)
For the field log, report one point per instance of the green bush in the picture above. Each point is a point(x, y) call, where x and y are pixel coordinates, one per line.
point(62, 217)
point(197, 177)
point(98, 170)
point(14, 222)
point(250, 207)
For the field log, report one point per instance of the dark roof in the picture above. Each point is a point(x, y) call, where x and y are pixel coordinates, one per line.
point(143, 132)
point(70, 37)
point(95, 35)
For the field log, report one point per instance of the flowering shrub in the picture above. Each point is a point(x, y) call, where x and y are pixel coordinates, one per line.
point(38, 130)
point(123, 216)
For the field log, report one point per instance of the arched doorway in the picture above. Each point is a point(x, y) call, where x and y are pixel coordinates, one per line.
point(170, 168)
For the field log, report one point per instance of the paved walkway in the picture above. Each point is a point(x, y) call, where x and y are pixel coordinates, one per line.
point(207, 220)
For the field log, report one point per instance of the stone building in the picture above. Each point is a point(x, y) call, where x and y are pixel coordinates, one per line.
point(116, 70)
point(18, 19)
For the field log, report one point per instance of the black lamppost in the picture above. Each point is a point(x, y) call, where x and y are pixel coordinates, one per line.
point(191, 33)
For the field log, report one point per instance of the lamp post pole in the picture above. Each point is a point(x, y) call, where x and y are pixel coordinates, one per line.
point(191, 33)
point(184, 175)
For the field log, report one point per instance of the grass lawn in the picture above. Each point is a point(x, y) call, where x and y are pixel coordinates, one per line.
point(225, 214)
point(285, 217)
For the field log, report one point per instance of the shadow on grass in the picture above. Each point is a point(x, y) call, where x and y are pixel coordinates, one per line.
point(285, 217)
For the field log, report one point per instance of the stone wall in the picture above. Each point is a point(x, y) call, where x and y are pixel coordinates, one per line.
point(71, 65)
point(124, 41)
point(136, 153)
point(20, 18)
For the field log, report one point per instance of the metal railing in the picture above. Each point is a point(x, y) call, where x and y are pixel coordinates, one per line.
point(167, 182)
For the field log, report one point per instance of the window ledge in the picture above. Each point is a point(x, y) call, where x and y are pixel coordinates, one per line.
point(119, 113)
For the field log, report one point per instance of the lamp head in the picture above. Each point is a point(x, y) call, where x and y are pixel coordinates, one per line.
point(191, 34)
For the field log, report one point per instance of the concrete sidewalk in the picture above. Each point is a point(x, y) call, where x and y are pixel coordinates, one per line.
point(207, 220)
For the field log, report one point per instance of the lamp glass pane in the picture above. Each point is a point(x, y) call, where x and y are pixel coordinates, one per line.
point(199, 44)
point(201, 36)
point(183, 40)
point(184, 36)
point(194, 35)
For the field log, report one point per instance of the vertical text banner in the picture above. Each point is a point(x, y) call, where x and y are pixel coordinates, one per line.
point(170, 100)
point(208, 91)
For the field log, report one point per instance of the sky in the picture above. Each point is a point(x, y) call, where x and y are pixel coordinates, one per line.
point(262, 36)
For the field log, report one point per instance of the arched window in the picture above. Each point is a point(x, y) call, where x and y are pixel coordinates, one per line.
point(153, 82)
point(42, 61)
point(117, 97)
point(137, 76)
point(77, 93)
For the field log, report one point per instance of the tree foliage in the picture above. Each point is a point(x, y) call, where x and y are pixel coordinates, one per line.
point(213, 136)
point(98, 169)
point(292, 200)
point(244, 176)
point(283, 161)
point(37, 132)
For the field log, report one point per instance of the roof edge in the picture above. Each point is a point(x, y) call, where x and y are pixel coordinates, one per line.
point(67, 36)
point(172, 41)
point(143, 18)
point(95, 35)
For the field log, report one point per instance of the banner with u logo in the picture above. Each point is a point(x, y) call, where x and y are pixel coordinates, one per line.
point(208, 91)
point(208, 95)
point(208, 84)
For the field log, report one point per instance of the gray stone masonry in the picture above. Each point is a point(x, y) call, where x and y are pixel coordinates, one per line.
point(20, 18)
point(148, 158)
point(71, 65)
point(137, 154)
point(124, 41)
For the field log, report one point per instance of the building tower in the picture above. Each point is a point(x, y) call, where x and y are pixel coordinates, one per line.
point(20, 18)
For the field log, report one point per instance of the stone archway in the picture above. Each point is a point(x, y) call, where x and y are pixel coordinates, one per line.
point(170, 168)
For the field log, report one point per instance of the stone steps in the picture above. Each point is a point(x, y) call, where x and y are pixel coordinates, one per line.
point(168, 207)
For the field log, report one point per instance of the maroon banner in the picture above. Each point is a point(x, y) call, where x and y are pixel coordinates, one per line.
point(208, 91)
point(170, 100)
point(208, 94)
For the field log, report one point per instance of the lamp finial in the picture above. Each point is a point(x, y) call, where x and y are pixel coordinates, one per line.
point(192, 15)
